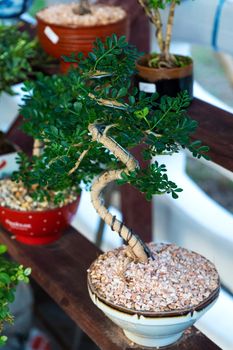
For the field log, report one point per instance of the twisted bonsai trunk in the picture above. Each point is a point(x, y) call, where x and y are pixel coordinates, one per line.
point(137, 247)
point(83, 8)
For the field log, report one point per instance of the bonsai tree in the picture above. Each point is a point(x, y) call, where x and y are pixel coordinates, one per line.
point(89, 119)
point(10, 275)
point(152, 9)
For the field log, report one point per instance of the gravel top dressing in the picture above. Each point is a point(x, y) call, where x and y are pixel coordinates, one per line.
point(177, 279)
point(63, 15)
point(15, 196)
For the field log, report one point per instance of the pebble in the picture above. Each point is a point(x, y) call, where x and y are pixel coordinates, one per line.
point(187, 279)
point(62, 14)
point(15, 196)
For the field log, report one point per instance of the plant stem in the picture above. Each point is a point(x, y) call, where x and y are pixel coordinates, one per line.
point(163, 116)
point(83, 8)
point(101, 57)
point(137, 247)
point(159, 31)
point(82, 155)
point(169, 30)
point(155, 18)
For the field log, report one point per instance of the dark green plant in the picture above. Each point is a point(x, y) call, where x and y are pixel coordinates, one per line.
point(17, 50)
point(10, 275)
point(20, 57)
point(95, 105)
point(152, 9)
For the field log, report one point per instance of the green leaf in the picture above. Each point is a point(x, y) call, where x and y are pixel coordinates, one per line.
point(4, 278)
point(27, 271)
point(92, 56)
point(78, 106)
point(3, 249)
point(122, 92)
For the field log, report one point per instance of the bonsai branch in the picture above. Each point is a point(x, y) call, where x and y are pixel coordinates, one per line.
point(138, 249)
point(82, 155)
point(155, 18)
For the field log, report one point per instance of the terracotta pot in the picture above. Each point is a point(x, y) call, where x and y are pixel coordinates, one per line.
point(164, 81)
point(61, 40)
point(153, 329)
point(38, 227)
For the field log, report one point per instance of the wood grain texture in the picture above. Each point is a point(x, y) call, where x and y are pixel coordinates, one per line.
point(60, 269)
point(215, 130)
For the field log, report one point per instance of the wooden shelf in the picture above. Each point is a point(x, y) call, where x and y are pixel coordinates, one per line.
point(60, 269)
point(215, 130)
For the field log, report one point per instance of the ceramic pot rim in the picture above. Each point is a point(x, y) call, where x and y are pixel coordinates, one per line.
point(153, 74)
point(125, 18)
point(163, 314)
point(37, 212)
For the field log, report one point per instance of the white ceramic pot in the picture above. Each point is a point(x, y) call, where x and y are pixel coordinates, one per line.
point(149, 330)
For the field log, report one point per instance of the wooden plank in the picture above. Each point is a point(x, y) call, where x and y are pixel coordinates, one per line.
point(215, 130)
point(140, 218)
point(60, 269)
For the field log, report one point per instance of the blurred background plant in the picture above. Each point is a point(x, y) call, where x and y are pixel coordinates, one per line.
point(10, 276)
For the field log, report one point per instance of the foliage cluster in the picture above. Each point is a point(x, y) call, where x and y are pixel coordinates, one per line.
point(17, 50)
point(160, 4)
point(10, 275)
point(163, 31)
point(20, 57)
point(100, 91)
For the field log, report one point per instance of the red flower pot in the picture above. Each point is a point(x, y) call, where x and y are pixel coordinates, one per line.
point(38, 227)
point(58, 40)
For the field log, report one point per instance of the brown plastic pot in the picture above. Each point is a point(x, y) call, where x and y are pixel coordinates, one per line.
point(164, 81)
point(66, 40)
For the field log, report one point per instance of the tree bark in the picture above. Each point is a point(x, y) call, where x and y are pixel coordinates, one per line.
point(155, 18)
point(137, 247)
point(169, 31)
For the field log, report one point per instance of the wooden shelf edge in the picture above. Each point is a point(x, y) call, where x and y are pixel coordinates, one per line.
point(60, 269)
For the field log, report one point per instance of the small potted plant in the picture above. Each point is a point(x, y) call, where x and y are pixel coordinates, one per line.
point(163, 72)
point(153, 291)
point(16, 52)
point(71, 28)
point(10, 275)
point(18, 58)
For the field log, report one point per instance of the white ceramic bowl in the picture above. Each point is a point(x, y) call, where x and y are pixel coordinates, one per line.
point(153, 331)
